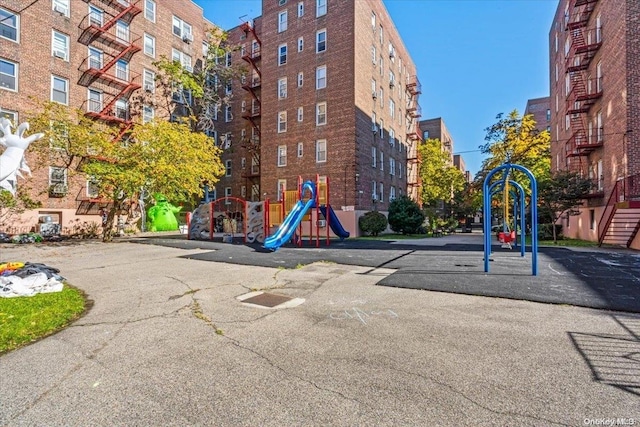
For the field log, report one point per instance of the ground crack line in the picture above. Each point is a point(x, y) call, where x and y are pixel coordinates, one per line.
point(290, 374)
point(464, 396)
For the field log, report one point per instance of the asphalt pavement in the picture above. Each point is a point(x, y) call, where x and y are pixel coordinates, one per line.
point(168, 340)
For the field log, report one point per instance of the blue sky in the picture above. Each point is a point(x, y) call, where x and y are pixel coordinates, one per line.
point(475, 58)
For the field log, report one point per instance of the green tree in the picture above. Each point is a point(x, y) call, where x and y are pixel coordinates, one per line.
point(194, 94)
point(157, 157)
point(438, 175)
point(405, 216)
point(561, 194)
point(373, 223)
point(466, 201)
point(514, 138)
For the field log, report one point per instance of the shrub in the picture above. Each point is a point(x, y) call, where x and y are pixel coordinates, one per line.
point(373, 223)
point(405, 215)
point(545, 231)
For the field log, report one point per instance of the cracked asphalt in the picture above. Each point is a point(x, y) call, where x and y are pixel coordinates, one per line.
point(168, 343)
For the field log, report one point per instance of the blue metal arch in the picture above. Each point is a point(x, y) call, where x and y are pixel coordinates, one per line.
point(487, 193)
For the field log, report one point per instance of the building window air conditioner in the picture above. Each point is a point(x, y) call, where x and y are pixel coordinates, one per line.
point(187, 38)
point(188, 68)
point(61, 10)
point(392, 83)
point(374, 128)
point(148, 87)
point(59, 54)
point(374, 197)
point(374, 95)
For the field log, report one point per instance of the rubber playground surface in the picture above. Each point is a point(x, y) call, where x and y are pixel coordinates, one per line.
point(588, 277)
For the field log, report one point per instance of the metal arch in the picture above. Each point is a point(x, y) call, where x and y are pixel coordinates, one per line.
point(505, 168)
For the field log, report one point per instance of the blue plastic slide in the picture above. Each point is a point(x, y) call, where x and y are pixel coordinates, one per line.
point(334, 223)
point(284, 233)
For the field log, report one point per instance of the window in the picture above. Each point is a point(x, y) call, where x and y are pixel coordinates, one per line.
point(10, 115)
point(149, 45)
point(374, 190)
point(282, 155)
point(227, 168)
point(374, 56)
point(321, 77)
point(300, 44)
point(599, 77)
point(182, 58)
point(147, 113)
point(282, 187)
point(321, 7)
point(60, 45)
point(227, 193)
point(282, 88)
point(373, 21)
point(381, 161)
point(57, 176)
point(121, 109)
point(9, 25)
point(122, 70)
point(122, 31)
point(321, 41)
point(282, 21)
point(592, 219)
point(61, 6)
point(300, 78)
point(300, 149)
point(228, 116)
point(321, 151)
point(181, 28)
point(567, 46)
point(567, 83)
point(282, 121)
point(381, 128)
point(94, 101)
point(392, 166)
point(381, 198)
point(374, 157)
point(8, 75)
point(392, 108)
point(392, 137)
point(282, 54)
point(381, 35)
point(150, 10)
point(381, 97)
point(321, 114)
point(148, 80)
point(228, 88)
point(59, 90)
point(300, 114)
point(599, 129)
point(96, 16)
point(548, 114)
point(92, 188)
point(300, 9)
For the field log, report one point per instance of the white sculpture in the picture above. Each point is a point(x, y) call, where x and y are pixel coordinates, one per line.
point(12, 160)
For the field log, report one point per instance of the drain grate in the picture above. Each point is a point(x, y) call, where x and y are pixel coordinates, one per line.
point(267, 300)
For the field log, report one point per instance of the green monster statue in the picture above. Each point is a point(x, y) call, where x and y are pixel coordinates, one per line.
point(162, 216)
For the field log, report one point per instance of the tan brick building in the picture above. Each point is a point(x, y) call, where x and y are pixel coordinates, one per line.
point(337, 97)
point(595, 114)
point(94, 55)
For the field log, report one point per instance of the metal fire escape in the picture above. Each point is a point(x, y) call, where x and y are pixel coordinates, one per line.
point(414, 89)
point(584, 90)
point(105, 71)
point(252, 85)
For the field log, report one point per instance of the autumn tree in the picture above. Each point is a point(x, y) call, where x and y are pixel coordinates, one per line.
point(158, 156)
point(438, 175)
point(561, 193)
point(515, 138)
point(193, 93)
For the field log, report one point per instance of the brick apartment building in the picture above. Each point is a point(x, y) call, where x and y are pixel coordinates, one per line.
point(330, 90)
point(540, 109)
point(94, 55)
point(436, 129)
point(595, 113)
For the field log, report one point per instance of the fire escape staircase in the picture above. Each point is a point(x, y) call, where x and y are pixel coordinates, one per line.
point(113, 82)
point(414, 89)
point(584, 92)
point(253, 115)
point(620, 221)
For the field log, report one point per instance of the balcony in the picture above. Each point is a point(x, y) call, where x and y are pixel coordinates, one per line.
point(93, 70)
point(413, 85)
point(93, 28)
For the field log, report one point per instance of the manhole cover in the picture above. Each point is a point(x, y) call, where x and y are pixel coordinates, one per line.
point(267, 300)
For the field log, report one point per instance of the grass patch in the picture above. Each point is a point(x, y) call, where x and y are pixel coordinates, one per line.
point(564, 242)
point(27, 319)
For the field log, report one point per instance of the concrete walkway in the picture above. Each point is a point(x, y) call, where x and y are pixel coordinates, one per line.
point(168, 343)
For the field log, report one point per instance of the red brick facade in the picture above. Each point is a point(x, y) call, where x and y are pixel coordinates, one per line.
point(34, 56)
point(594, 73)
point(339, 41)
point(540, 108)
